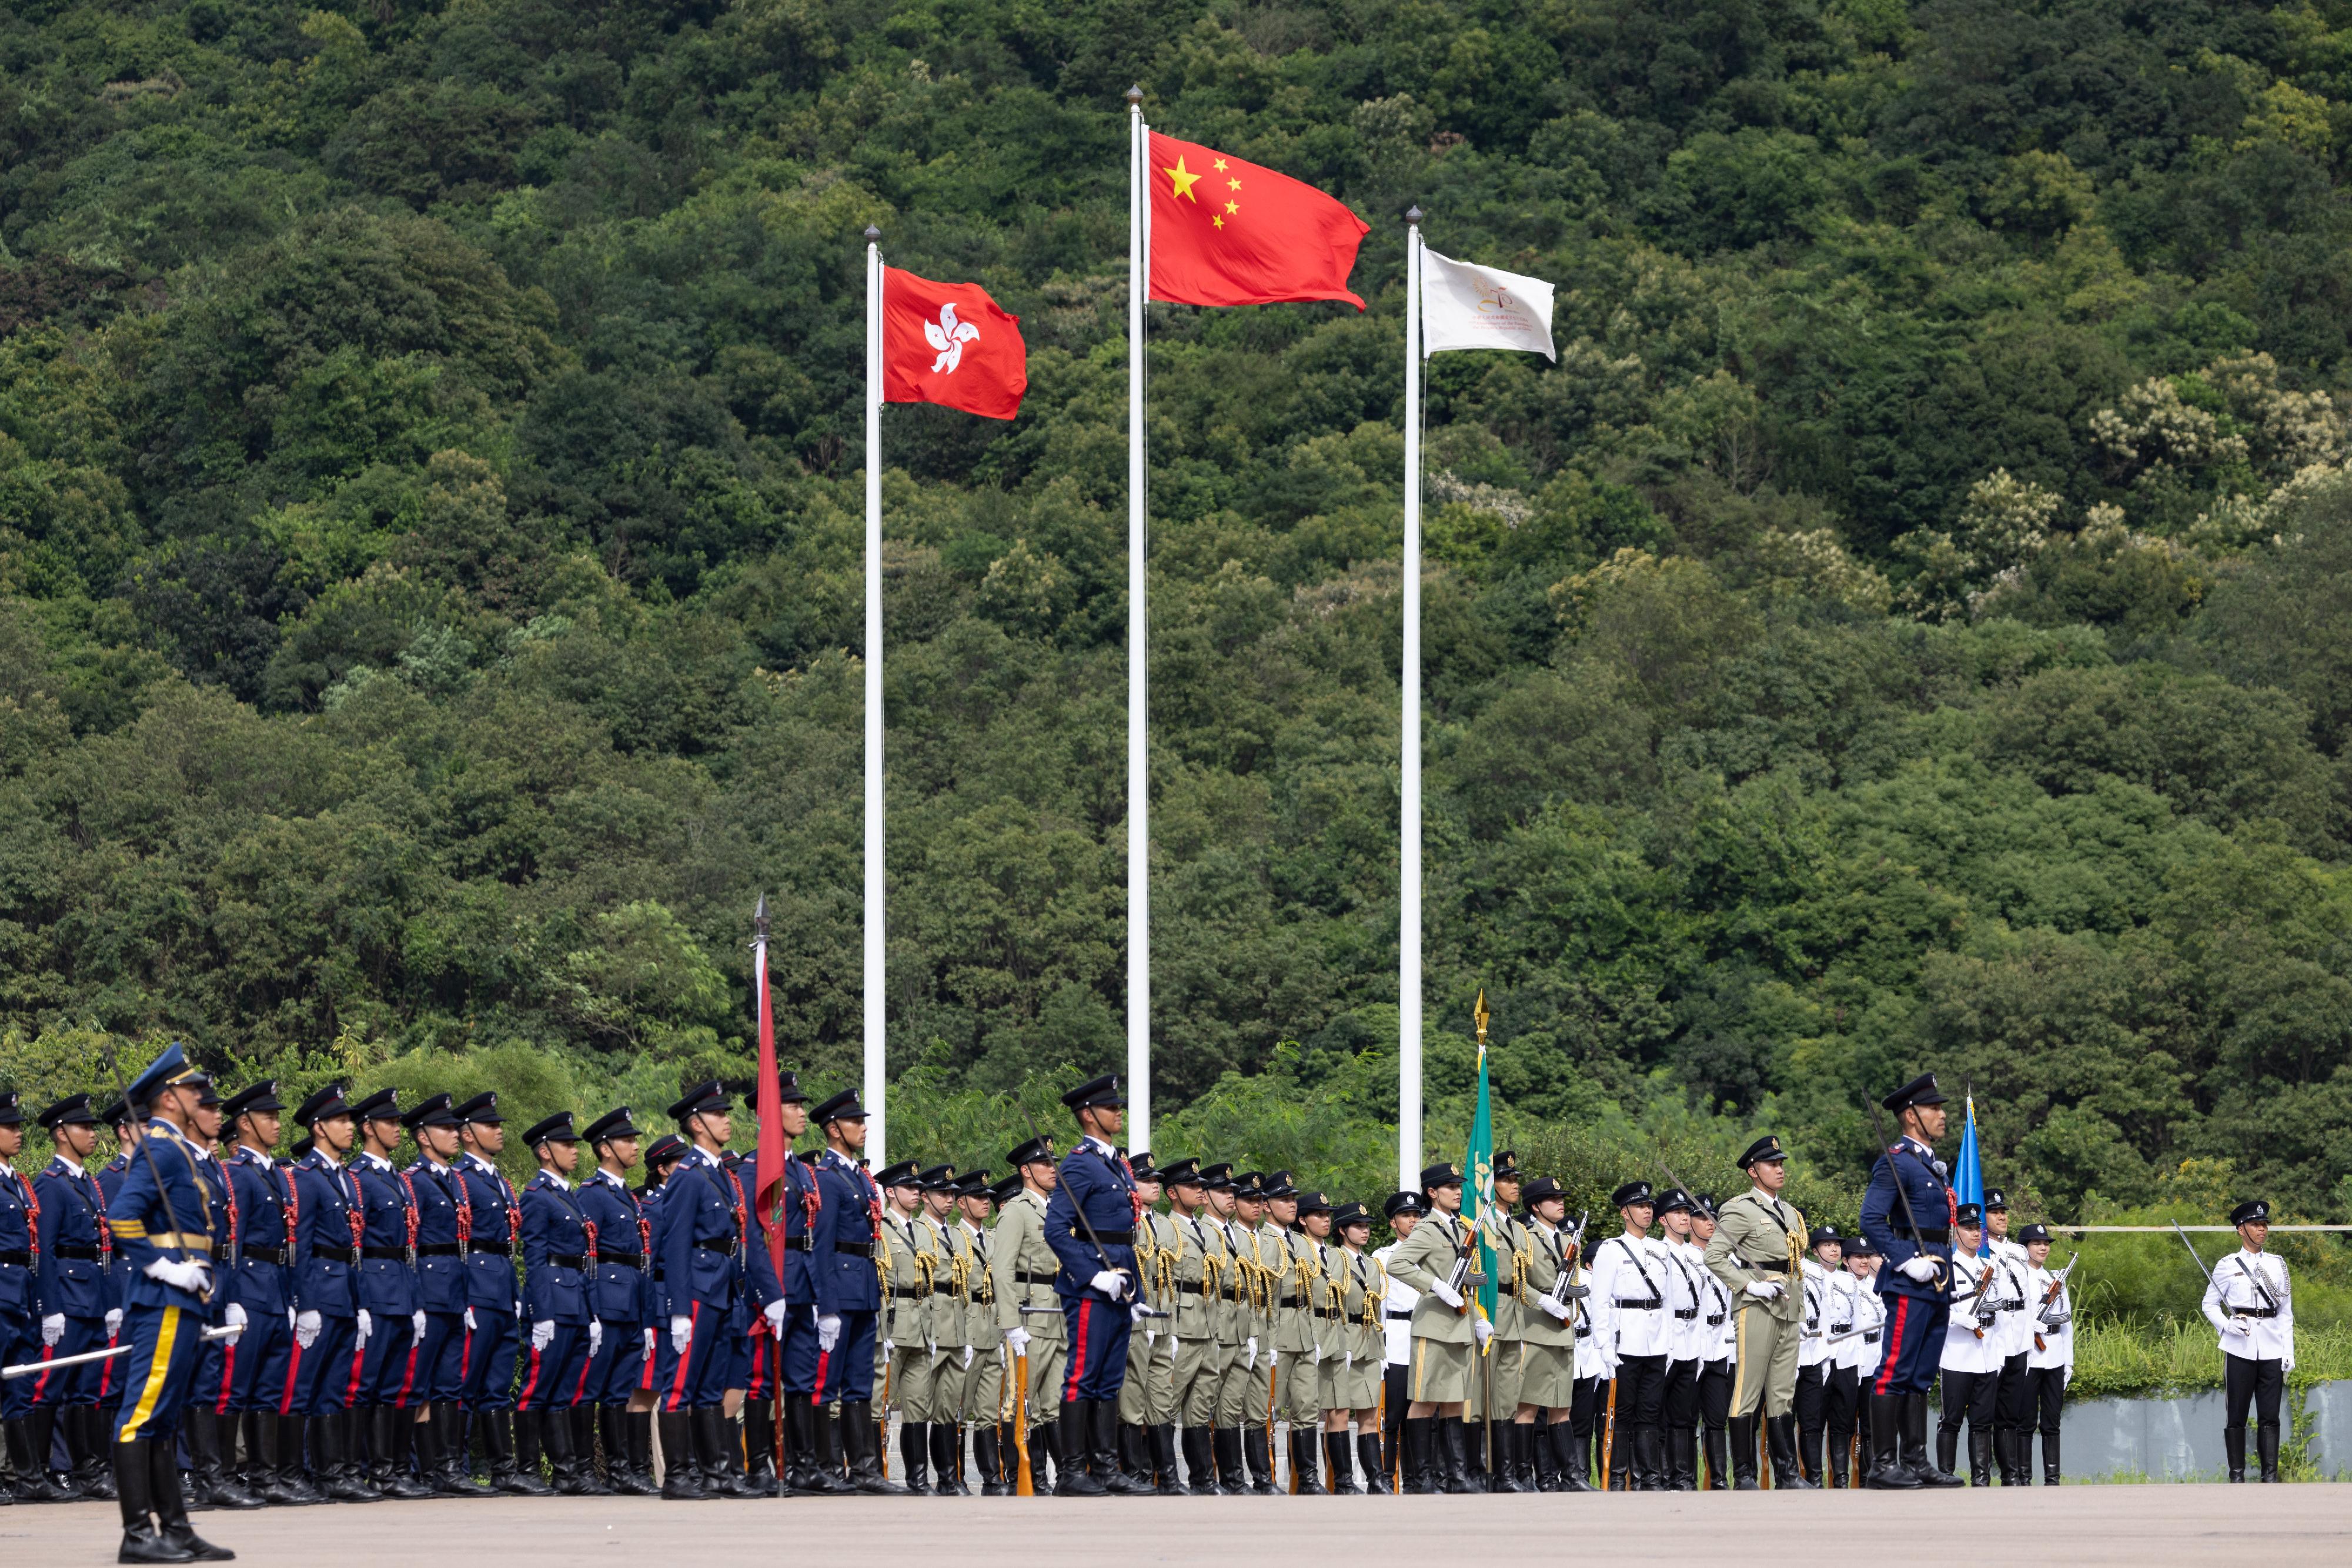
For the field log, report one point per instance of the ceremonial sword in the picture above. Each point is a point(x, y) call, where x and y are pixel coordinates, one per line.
point(26, 1369)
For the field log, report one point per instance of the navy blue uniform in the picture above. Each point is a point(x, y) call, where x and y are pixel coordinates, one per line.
point(440, 1376)
point(387, 1282)
point(700, 1231)
point(842, 1247)
point(556, 1243)
point(326, 1372)
point(263, 1192)
point(621, 1298)
point(163, 1324)
point(812, 1290)
point(752, 1358)
point(75, 1247)
point(20, 1335)
point(1915, 1311)
point(217, 1365)
point(108, 1177)
point(1098, 1184)
point(494, 1229)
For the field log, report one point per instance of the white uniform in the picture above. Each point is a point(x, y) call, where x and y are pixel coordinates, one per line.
point(1712, 1332)
point(1591, 1355)
point(1396, 1315)
point(2054, 1322)
point(2012, 1301)
point(1972, 1339)
point(2246, 1284)
point(1813, 1341)
point(1865, 1347)
point(1630, 1278)
point(1680, 1278)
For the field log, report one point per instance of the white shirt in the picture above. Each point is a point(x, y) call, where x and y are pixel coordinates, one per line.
point(268, 1162)
point(1713, 1332)
point(67, 1160)
point(2057, 1333)
point(2233, 1290)
point(1626, 1270)
point(1867, 1347)
point(1814, 1330)
point(1964, 1349)
point(1681, 1296)
point(1396, 1332)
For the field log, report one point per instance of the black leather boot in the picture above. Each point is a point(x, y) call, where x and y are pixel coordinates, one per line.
point(562, 1464)
point(2266, 1447)
point(681, 1477)
point(1165, 1481)
point(1075, 1450)
point(860, 1438)
point(817, 1459)
point(1200, 1463)
point(1370, 1457)
point(580, 1419)
point(228, 1487)
point(1979, 1457)
point(987, 1448)
point(330, 1436)
point(1503, 1463)
point(1781, 1434)
point(90, 1439)
point(391, 1431)
point(947, 1459)
point(615, 1426)
point(1343, 1466)
point(1741, 1438)
point(914, 1457)
point(1226, 1442)
point(295, 1474)
point(1569, 1458)
point(142, 1542)
point(1888, 1472)
point(514, 1452)
point(718, 1445)
point(1259, 1442)
point(1418, 1460)
point(1836, 1466)
point(1718, 1456)
point(31, 1463)
point(2050, 1471)
point(171, 1511)
point(1682, 1458)
point(1452, 1449)
point(1915, 1439)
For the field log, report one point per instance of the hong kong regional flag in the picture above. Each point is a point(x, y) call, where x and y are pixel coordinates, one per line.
point(1228, 232)
point(950, 343)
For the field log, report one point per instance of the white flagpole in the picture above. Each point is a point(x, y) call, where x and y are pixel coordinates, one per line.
point(1139, 780)
point(1409, 868)
point(877, 1141)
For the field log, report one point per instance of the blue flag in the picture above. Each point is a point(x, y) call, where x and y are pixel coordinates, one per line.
point(1968, 1175)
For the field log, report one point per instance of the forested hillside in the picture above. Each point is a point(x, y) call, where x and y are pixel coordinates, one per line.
point(1907, 627)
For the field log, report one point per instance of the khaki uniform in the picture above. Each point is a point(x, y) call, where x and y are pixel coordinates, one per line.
point(1354, 1345)
point(1297, 1286)
point(912, 1269)
point(1204, 1268)
point(1506, 1355)
point(1021, 1268)
point(1242, 1400)
point(984, 1395)
point(1444, 1344)
point(1756, 1238)
point(1548, 1363)
point(1148, 1397)
point(958, 1354)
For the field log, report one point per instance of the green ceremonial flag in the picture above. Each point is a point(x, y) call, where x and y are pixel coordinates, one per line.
point(1478, 1166)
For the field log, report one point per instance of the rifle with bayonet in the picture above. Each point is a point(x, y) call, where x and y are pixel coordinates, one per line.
point(2050, 1300)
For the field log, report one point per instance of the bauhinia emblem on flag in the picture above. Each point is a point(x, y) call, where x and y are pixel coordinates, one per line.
point(1227, 231)
point(1464, 305)
point(950, 343)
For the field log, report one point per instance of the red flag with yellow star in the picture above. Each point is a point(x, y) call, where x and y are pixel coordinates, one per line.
point(1224, 232)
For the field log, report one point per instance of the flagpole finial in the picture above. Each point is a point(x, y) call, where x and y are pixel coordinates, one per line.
point(872, 233)
point(1135, 94)
point(759, 918)
point(1413, 215)
point(1481, 1014)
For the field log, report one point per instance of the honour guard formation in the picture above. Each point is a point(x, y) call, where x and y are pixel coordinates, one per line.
point(206, 1321)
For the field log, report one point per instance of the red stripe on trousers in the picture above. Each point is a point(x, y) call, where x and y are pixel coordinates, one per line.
point(293, 1370)
point(582, 1392)
point(1893, 1346)
point(407, 1378)
point(228, 1372)
point(823, 1358)
point(351, 1395)
point(522, 1400)
point(677, 1383)
point(41, 1383)
point(1079, 1353)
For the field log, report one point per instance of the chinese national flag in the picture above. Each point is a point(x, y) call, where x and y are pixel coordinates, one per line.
point(950, 343)
point(1228, 232)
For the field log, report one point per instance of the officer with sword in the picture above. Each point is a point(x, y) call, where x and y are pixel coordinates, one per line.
point(1090, 1225)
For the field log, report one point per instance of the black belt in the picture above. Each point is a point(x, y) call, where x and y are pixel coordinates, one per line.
point(18, 1256)
point(1188, 1287)
point(855, 1249)
point(495, 1248)
point(1115, 1238)
point(337, 1254)
point(1763, 1265)
point(1329, 1315)
point(1397, 1317)
point(265, 1254)
point(726, 1252)
point(625, 1260)
point(386, 1254)
point(804, 1242)
point(1287, 1300)
point(1685, 1316)
point(1841, 1328)
point(905, 1293)
point(1024, 1277)
point(439, 1250)
point(568, 1259)
point(1584, 1332)
point(1644, 1304)
point(76, 1250)
point(2253, 1311)
point(1715, 1320)
point(2008, 1306)
point(938, 1290)
point(1924, 1236)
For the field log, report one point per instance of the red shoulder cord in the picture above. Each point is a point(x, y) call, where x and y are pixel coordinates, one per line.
point(357, 1213)
point(32, 1219)
point(465, 1212)
point(105, 1227)
point(410, 1188)
point(811, 1199)
point(228, 1197)
point(291, 1212)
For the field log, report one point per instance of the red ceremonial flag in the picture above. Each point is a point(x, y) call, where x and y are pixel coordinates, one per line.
point(768, 1175)
point(1228, 232)
point(950, 343)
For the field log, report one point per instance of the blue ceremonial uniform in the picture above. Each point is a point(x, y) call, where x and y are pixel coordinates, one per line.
point(556, 1243)
point(622, 1298)
point(1917, 1311)
point(262, 1191)
point(1097, 1182)
point(108, 1177)
point(216, 1365)
point(163, 1324)
point(440, 1373)
point(492, 1227)
point(812, 1290)
point(700, 1231)
point(77, 1282)
point(20, 1337)
point(842, 1246)
point(326, 1372)
point(387, 1282)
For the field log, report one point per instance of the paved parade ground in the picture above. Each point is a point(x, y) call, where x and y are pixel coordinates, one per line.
point(2137, 1525)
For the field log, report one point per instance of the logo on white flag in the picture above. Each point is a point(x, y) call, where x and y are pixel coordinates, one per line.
point(949, 336)
point(1468, 307)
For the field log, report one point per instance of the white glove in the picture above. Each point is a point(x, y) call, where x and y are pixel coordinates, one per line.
point(1553, 1309)
point(290, 1320)
point(890, 1347)
point(681, 1333)
point(967, 1355)
point(233, 1316)
point(828, 1331)
point(1447, 1293)
point(113, 1320)
point(53, 1328)
point(650, 1336)
point(1318, 1355)
point(1140, 1316)
point(2286, 1364)
point(1921, 1268)
point(774, 1313)
point(1352, 1359)
point(1484, 1330)
point(596, 1336)
point(931, 1347)
point(543, 1334)
point(1762, 1290)
point(1110, 1283)
point(416, 1325)
point(469, 1319)
point(193, 1275)
point(305, 1329)
point(1017, 1340)
point(367, 1325)
point(2240, 1323)
point(1253, 1349)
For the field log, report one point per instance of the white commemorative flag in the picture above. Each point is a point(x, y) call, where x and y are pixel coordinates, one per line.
point(1467, 307)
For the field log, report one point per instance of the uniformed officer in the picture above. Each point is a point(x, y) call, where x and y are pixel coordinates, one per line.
point(621, 1299)
point(1437, 1260)
point(1840, 1292)
point(263, 1192)
point(2050, 1362)
point(1296, 1270)
point(19, 1302)
point(78, 1310)
point(1756, 1254)
point(329, 1323)
point(558, 1246)
point(1715, 1343)
point(1247, 1405)
point(785, 1368)
point(163, 1216)
point(2250, 1304)
point(1236, 1326)
point(1147, 1400)
point(387, 1297)
point(206, 1424)
point(94, 1478)
point(853, 1207)
point(1858, 1358)
point(1028, 1312)
point(1823, 1265)
point(493, 1220)
point(1325, 1343)
point(437, 1382)
point(1678, 1394)
point(1090, 1225)
point(1630, 1313)
point(1402, 1210)
point(1357, 1298)
point(1554, 1302)
point(980, 1385)
point(1908, 1212)
point(1200, 1262)
point(1973, 1343)
point(909, 1261)
point(1511, 1468)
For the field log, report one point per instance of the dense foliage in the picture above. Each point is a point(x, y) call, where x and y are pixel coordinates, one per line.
point(1906, 627)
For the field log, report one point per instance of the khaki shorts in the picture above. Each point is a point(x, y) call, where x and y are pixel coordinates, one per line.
point(1440, 1373)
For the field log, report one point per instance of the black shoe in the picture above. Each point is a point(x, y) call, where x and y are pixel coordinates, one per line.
point(171, 1512)
point(859, 1437)
point(1200, 1463)
point(133, 1491)
point(681, 1477)
point(1259, 1443)
point(1342, 1465)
